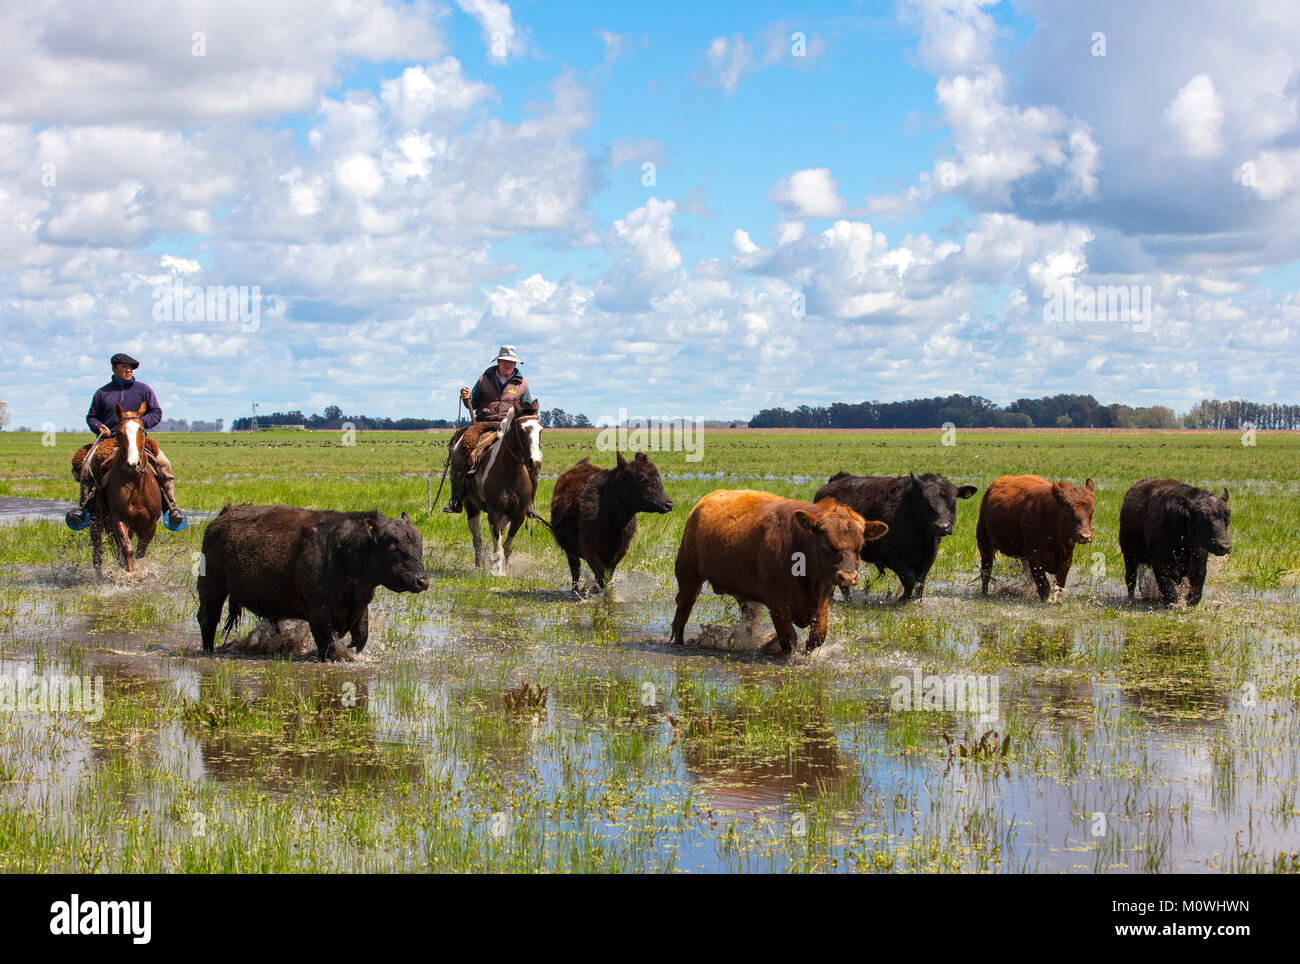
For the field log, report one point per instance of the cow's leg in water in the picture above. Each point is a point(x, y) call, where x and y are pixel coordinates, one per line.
point(1063, 572)
point(1196, 576)
point(786, 634)
point(1039, 574)
point(820, 624)
point(361, 631)
point(688, 590)
point(1165, 580)
point(472, 514)
point(212, 596)
point(908, 579)
point(322, 631)
point(985, 543)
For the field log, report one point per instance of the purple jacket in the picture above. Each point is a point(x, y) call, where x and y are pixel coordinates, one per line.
point(103, 407)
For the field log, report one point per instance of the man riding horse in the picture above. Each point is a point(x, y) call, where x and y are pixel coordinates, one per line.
point(498, 390)
point(128, 392)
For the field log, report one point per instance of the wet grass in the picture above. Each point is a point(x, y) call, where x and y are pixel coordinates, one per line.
point(1141, 739)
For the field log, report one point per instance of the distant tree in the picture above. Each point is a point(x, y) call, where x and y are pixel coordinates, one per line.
point(4, 414)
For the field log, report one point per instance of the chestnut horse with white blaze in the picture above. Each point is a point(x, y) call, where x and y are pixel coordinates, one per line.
point(505, 483)
point(128, 501)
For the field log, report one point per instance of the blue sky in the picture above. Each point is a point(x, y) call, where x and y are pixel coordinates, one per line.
point(412, 184)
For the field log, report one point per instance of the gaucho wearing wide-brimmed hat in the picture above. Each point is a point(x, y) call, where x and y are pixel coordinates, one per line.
point(497, 391)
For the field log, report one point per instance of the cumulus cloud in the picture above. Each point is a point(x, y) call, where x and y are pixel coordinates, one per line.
point(808, 194)
point(1195, 118)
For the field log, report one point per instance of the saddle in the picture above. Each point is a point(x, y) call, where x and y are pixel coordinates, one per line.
point(103, 456)
point(481, 445)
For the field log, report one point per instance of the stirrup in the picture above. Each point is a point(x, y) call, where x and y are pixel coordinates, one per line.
point(175, 521)
point(77, 519)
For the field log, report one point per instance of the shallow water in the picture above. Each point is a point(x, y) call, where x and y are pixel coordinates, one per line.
point(1123, 713)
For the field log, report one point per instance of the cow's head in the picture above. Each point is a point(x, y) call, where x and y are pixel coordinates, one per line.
point(1206, 522)
point(388, 552)
point(838, 534)
point(934, 501)
point(1077, 503)
point(640, 486)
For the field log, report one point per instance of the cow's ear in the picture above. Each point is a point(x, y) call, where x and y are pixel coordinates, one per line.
point(805, 519)
point(622, 462)
point(642, 457)
point(120, 413)
point(874, 531)
point(372, 530)
point(405, 517)
point(1224, 497)
point(1059, 492)
point(1089, 486)
point(916, 483)
point(966, 491)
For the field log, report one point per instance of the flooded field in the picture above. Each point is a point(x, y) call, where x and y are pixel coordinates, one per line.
point(505, 723)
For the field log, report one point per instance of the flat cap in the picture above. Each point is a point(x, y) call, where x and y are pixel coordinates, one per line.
point(123, 359)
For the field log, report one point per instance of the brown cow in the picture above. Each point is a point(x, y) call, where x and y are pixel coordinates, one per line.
point(784, 554)
point(1029, 518)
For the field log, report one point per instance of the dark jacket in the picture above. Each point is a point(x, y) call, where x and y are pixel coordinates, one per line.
point(103, 407)
point(491, 404)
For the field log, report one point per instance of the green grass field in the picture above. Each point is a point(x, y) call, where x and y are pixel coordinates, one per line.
point(1142, 739)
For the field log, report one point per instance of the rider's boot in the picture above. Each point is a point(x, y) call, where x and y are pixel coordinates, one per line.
point(173, 518)
point(459, 473)
point(79, 517)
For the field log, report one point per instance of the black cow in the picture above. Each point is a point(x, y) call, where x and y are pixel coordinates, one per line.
point(919, 510)
point(282, 562)
point(593, 512)
point(1172, 527)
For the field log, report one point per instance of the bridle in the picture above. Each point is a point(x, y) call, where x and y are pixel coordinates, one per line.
point(122, 444)
point(511, 444)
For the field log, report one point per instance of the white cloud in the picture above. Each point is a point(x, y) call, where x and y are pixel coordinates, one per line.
point(728, 60)
point(502, 38)
point(811, 193)
point(1195, 117)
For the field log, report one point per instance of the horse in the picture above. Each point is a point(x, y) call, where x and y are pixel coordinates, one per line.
point(127, 499)
point(505, 483)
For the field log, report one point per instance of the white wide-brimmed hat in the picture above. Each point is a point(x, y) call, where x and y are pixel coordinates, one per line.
point(507, 353)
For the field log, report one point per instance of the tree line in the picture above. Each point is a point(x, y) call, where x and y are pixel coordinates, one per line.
point(1055, 411)
point(333, 419)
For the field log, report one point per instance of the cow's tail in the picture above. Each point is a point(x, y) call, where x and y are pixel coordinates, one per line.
point(232, 617)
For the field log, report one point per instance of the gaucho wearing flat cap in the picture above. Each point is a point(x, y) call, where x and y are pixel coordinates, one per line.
point(126, 390)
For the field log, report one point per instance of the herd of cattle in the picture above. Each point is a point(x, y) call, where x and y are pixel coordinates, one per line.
point(281, 562)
